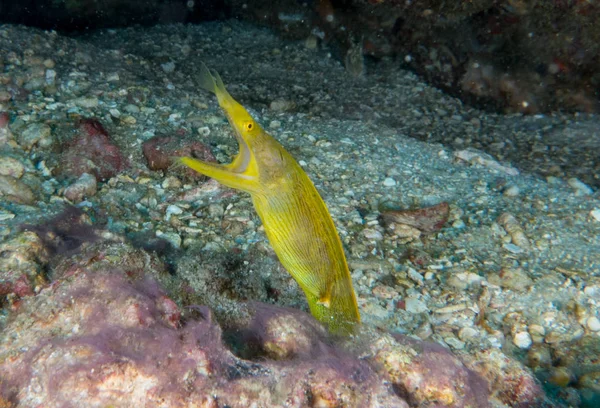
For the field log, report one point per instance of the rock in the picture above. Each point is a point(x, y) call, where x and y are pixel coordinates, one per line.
point(105, 331)
point(580, 188)
point(15, 190)
point(22, 266)
point(36, 134)
point(11, 167)
point(428, 374)
point(84, 187)
point(593, 323)
point(92, 151)
point(86, 102)
point(522, 340)
point(414, 305)
point(282, 105)
point(389, 182)
point(512, 383)
point(5, 133)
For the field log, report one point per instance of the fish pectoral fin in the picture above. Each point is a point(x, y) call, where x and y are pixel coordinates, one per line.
point(223, 174)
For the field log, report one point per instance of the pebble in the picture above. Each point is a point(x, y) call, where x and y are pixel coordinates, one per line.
point(467, 333)
point(172, 237)
point(595, 214)
point(131, 108)
point(204, 131)
point(172, 210)
point(512, 191)
point(11, 167)
point(454, 343)
point(38, 134)
point(282, 105)
point(522, 340)
point(168, 67)
point(593, 323)
point(389, 182)
point(537, 333)
point(414, 305)
point(86, 102)
point(15, 190)
point(580, 187)
point(85, 186)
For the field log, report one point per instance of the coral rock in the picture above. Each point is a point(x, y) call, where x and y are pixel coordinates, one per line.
point(93, 152)
point(427, 373)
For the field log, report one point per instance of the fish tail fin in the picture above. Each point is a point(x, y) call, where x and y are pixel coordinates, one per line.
point(339, 311)
point(212, 82)
point(206, 80)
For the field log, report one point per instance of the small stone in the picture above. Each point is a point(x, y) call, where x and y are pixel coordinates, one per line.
point(16, 191)
point(579, 187)
point(282, 105)
point(172, 210)
point(593, 323)
point(537, 333)
point(172, 237)
point(128, 120)
point(171, 182)
point(216, 210)
point(131, 108)
point(372, 234)
point(86, 102)
point(311, 42)
point(513, 248)
point(467, 333)
point(595, 214)
point(36, 134)
point(522, 340)
point(204, 131)
point(85, 186)
point(455, 343)
point(389, 182)
point(11, 167)
point(414, 305)
point(511, 191)
point(384, 292)
point(168, 67)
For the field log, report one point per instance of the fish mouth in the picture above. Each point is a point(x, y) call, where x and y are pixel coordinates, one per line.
point(244, 156)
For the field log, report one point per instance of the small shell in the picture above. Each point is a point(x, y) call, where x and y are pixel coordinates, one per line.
point(514, 229)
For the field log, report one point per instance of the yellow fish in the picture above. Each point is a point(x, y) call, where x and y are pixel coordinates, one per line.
point(293, 213)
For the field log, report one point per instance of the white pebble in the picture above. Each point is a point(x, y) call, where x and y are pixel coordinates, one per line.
point(580, 187)
point(511, 191)
point(204, 131)
point(172, 210)
point(168, 67)
point(595, 214)
point(389, 182)
point(522, 340)
point(593, 324)
point(414, 305)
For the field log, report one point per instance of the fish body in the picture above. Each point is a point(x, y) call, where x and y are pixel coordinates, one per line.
point(296, 220)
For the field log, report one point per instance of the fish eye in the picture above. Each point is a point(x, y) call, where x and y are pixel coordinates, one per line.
point(249, 126)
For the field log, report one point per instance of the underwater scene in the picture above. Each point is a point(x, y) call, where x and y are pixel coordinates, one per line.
point(299, 203)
